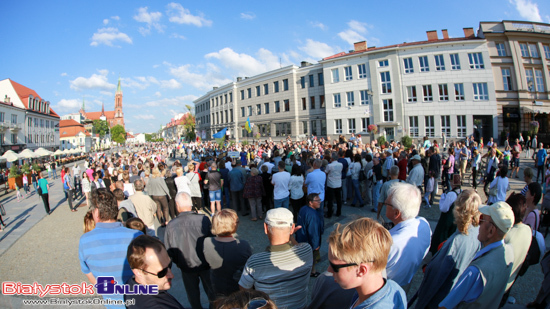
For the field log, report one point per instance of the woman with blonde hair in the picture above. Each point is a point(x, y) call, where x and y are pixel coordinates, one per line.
point(86, 187)
point(157, 189)
point(455, 255)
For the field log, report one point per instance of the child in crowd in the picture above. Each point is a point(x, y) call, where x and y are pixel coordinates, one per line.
point(136, 224)
point(18, 190)
point(429, 189)
point(89, 223)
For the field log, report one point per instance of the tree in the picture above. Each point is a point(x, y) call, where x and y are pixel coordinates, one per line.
point(148, 137)
point(101, 127)
point(118, 134)
point(188, 122)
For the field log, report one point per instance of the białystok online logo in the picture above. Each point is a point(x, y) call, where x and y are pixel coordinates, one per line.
point(104, 286)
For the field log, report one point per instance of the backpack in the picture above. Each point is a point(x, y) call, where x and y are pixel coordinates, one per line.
point(124, 215)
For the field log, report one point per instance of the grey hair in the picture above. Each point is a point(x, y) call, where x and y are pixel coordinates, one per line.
point(394, 170)
point(183, 200)
point(406, 198)
point(138, 185)
point(317, 163)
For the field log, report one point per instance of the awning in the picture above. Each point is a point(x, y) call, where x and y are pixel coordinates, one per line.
point(544, 109)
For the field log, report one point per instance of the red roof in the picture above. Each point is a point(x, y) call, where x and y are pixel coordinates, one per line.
point(71, 131)
point(342, 54)
point(96, 115)
point(24, 93)
point(69, 123)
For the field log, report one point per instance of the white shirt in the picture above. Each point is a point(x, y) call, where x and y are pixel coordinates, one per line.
point(183, 183)
point(334, 174)
point(228, 166)
point(269, 166)
point(447, 199)
point(416, 176)
point(502, 187)
point(280, 182)
point(296, 185)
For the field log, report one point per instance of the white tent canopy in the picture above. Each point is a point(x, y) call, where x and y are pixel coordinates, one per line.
point(27, 154)
point(41, 152)
point(11, 156)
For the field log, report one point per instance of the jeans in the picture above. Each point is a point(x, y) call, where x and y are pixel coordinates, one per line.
point(256, 207)
point(540, 171)
point(191, 282)
point(344, 190)
point(349, 189)
point(69, 194)
point(227, 202)
point(368, 195)
point(45, 199)
point(54, 171)
point(50, 174)
point(331, 194)
point(35, 185)
point(448, 181)
point(282, 202)
point(356, 192)
point(376, 193)
point(296, 206)
point(474, 175)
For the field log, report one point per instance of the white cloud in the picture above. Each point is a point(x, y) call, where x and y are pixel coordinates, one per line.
point(68, 105)
point(106, 93)
point(177, 36)
point(150, 18)
point(177, 101)
point(190, 75)
point(319, 25)
point(170, 84)
point(63, 74)
point(248, 15)
point(317, 50)
point(244, 64)
point(105, 21)
point(527, 9)
point(355, 33)
point(96, 81)
point(109, 35)
point(358, 26)
point(115, 17)
point(145, 117)
point(139, 82)
point(158, 94)
point(180, 15)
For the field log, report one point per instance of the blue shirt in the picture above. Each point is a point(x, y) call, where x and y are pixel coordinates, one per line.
point(312, 225)
point(315, 183)
point(541, 155)
point(470, 285)
point(236, 180)
point(391, 295)
point(345, 167)
point(43, 184)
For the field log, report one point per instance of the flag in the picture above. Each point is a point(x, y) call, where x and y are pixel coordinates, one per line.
point(247, 125)
point(220, 137)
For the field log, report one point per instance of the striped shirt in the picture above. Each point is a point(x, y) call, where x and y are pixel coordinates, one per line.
point(282, 272)
point(102, 252)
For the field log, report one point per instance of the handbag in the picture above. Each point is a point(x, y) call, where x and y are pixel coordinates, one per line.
point(534, 253)
point(494, 190)
point(39, 189)
point(2, 210)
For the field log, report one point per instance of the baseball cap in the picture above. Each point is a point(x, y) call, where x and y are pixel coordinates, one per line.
point(279, 217)
point(416, 157)
point(501, 213)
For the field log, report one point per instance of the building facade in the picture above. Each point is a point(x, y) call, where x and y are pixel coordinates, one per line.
point(74, 135)
point(113, 118)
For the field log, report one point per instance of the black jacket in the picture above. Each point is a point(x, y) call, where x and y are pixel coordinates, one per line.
point(184, 240)
point(162, 300)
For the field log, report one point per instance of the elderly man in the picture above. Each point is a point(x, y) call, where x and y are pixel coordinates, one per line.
point(416, 175)
point(184, 239)
point(358, 253)
point(102, 251)
point(151, 265)
point(285, 276)
point(145, 207)
point(411, 235)
point(483, 283)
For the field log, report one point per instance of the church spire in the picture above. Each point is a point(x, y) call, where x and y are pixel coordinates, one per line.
point(83, 105)
point(102, 109)
point(118, 89)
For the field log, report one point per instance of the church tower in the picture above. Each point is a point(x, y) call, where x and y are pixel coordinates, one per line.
point(82, 110)
point(119, 115)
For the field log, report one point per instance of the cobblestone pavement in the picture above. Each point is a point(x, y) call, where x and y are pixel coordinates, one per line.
point(44, 249)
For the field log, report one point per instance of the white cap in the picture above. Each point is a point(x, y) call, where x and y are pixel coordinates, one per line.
point(279, 217)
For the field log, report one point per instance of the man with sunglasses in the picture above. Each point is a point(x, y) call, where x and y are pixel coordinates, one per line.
point(358, 253)
point(483, 283)
point(151, 265)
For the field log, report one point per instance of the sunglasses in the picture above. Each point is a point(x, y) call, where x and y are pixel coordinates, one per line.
point(336, 268)
point(162, 273)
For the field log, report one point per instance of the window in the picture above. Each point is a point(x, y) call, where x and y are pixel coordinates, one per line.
point(424, 65)
point(335, 76)
point(14, 120)
point(350, 98)
point(312, 102)
point(388, 109)
point(383, 63)
point(322, 100)
point(29, 122)
point(455, 62)
point(266, 88)
point(30, 138)
point(225, 97)
point(533, 51)
point(314, 127)
point(408, 62)
point(429, 124)
point(249, 92)
point(218, 115)
point(266, 108)
point(480, 92)
point(439, 63)
point(285, 85)
point(226, 117)
point(283, 129)
point(501, 49)
point(276, 85)
point(364, 97)
point(217, 102)
point(524, 50)
point(287, 105)
point(303, 82)
point(242, 112)
point(386, 82)
point(2, 138)
point(413, 126)
point(41, 123)
point(459, 92)
point(443, 92)
point(258, 109)
point(362, 68)
point(461, 126)
point(365, 122)
point(242, 94)
point(258, 91)
point(277, 107)
point(304, 125)
point(338, 126)
point(476, 61)
point(337, 101)
point(411, 94)
point(250, 110)
point(546, 51)
point(351, 126)
point(304, 104)
point(311, 82)
point(2, 116)
point(446, 126)
point(506, 79)
point(427, 95)
point(539, 80)
point(348, 73)
point(530, 80)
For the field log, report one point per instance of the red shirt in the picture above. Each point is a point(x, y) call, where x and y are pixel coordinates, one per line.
point(402, 169)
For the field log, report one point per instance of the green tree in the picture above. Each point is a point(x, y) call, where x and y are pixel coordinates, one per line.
point(118, 134)
point(149, 137)
point(189, 124)
point(101, 127)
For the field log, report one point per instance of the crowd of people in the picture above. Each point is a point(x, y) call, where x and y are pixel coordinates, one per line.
point(136, 197)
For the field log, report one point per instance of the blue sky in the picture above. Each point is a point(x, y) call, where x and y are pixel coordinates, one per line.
point(169, 53)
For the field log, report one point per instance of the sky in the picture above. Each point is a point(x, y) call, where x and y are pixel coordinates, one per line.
point(169, 53)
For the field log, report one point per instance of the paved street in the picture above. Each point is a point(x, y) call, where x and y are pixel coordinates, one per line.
point(38, 248)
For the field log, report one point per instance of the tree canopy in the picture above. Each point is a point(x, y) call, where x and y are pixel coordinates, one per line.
point(118, 134)
point(101, 127)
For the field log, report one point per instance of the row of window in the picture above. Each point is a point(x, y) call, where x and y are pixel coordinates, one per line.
point(39, 105)
point(535, 79)
point(311, 79)
point(265, 89)
point(480, 90)
point(13, 138)
point(3, 117)
point(350, 98)
point(475, 61)
point(349, 72)
point(531, 50)
point(429, 126)
point(266, 110)
point(43, 138)
point(43, 123)
point(285, 128)
point(365, 122)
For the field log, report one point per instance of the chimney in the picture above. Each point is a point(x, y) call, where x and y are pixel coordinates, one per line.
point(432, 35)
point(239, 79)
point(304, 64)
point(360, 46)
point(214, 88)
point(445, 34)
point(469, 33)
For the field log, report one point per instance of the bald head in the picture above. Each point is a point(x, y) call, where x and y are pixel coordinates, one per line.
point(183, 202)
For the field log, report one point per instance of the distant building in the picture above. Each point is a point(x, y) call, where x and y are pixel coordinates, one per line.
point(78, 117)
point(74, 135)
point(26, 119)
point(112, 117)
